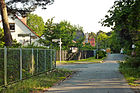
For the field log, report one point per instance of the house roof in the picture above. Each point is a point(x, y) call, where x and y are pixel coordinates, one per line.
point(26, 26)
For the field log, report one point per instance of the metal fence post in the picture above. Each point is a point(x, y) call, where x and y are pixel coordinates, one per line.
point(51, 58)
point(55, 57)
point(32, 61)
point(37, 61)
point(45, 59)
point(20, 63)
point(5, 66)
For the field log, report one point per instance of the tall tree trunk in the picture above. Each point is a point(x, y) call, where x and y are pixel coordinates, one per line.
point(80, 54)
point(7, 34)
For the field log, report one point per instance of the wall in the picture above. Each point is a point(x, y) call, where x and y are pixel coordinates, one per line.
point(20, 28)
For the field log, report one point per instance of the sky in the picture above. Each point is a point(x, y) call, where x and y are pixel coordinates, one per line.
point(85, 13)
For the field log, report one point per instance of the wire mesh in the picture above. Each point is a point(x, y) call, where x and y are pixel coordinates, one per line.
point(1, 67)
point(17, 64)
point(13, 65)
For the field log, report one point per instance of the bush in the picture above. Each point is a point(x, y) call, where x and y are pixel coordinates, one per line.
point(133, 61)
point(100, 54)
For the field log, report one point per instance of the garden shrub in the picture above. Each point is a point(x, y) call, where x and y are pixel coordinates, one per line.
point(101, 54)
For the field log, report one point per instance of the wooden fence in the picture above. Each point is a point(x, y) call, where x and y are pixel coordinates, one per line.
point(65, 55)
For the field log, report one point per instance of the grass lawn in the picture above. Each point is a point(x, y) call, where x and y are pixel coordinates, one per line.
point(91, 59)
point(38, 84)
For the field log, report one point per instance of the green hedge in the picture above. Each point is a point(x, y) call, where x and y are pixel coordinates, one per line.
point(100, 54)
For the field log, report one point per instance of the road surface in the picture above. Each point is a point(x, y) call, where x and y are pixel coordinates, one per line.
point(94, 78)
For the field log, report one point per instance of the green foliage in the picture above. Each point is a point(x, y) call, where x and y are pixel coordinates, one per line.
point(15, 44)
point(131, 73)
point(80, 39)
point(87, 46)
point(38, 83)
point(30, 65)
point(114, 42)
point(137, 49)
point(63, 30)
point(36, 23)
point(102, 40)
point(124, 17)
point(133, 62)
point(1, 38)
point(90, 59)
point(101, 54)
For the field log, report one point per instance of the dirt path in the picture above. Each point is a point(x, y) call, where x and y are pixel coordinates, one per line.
point(95, 78)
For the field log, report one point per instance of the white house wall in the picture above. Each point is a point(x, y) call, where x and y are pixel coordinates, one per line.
point(20, 28)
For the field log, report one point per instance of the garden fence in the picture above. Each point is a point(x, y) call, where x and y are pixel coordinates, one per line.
point(20, 63)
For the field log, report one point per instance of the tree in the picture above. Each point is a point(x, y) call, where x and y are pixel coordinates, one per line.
point(12, 6)
point(101, 39)
point(113, 42)
point(79, 38)
point(7, 35)
point(36, 23)
point(63, 30)
point(124, 17)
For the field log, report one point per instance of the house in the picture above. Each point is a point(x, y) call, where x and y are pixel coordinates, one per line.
point(21, 32)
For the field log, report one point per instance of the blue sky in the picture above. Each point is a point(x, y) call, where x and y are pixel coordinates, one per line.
point(85, 13)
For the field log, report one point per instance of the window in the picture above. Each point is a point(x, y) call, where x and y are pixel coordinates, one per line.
point(12, 27)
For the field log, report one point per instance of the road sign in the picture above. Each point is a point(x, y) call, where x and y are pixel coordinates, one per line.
point(59, 42)
point(55, 40)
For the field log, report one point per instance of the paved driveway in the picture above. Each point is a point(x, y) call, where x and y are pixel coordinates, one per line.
point(94, 78)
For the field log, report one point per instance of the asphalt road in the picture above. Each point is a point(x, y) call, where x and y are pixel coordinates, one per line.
point(94, 78)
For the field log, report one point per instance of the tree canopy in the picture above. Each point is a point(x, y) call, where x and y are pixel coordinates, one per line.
point(124, 17)
point(36, 23)
point(63, 30)
point(23, 7)
point(102, 40)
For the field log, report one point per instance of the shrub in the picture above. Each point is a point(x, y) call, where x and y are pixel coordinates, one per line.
point(133, 61)
point(100, 54)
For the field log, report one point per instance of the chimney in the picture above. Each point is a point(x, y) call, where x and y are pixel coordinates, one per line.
point(24, 19)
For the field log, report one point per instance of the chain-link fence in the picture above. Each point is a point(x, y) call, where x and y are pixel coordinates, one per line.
point(20, 63)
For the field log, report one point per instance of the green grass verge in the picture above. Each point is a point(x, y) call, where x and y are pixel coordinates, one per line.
point(38, 83)
point(131, 74)
point(91, 59)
